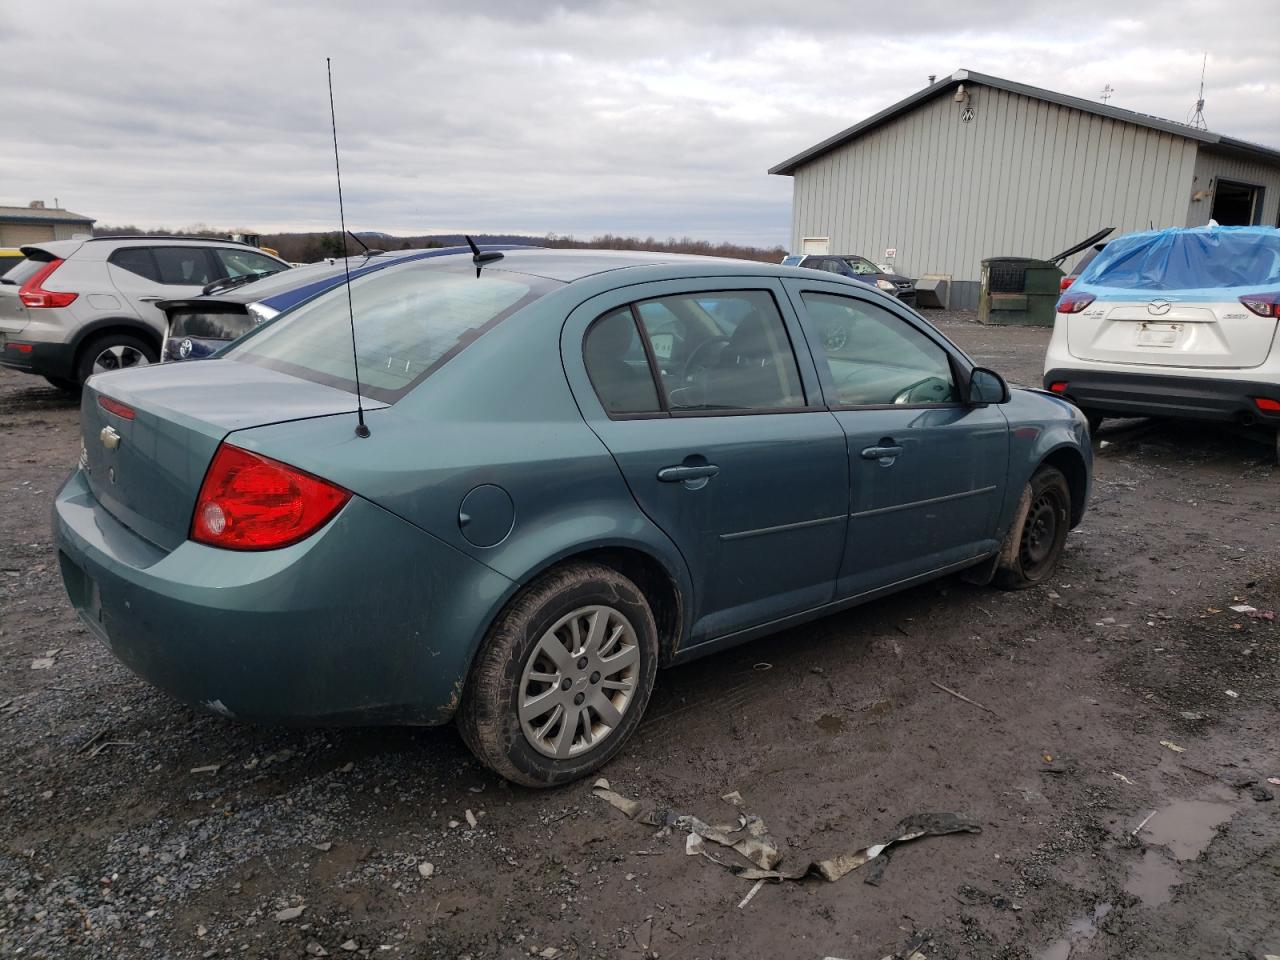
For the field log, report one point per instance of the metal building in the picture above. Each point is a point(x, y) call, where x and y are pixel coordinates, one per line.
point(36, 222)
point(975, 166)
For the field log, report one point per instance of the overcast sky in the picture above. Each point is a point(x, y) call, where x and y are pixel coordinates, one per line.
point(580, 118)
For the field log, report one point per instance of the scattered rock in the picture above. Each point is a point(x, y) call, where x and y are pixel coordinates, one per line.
point(426, 869)
point(289, 913)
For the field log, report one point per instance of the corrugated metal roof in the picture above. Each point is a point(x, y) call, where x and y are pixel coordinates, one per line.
point(41, 215)
point(1207, 137)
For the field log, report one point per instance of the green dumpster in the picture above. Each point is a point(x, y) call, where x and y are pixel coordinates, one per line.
point(1018, 290)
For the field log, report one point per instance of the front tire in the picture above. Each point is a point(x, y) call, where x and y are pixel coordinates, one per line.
point(66, 386)
point(1034, 543)
point(563, 677)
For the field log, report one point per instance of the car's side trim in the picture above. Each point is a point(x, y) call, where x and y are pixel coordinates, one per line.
point(977, 491)
point(798, 525)
point(712, 645)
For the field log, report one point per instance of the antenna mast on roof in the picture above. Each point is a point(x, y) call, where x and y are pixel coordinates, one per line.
point(1197, 118)
point(1107, 91)
point(362, 429)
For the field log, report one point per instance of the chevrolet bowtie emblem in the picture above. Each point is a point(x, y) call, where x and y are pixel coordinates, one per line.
point(110, 439)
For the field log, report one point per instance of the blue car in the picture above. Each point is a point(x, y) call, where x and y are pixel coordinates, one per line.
point(562, 471)
point(198, 327)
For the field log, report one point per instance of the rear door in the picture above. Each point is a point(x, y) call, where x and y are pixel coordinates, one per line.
point(927, 472)
point(1168, 330)
point(716, 423)
point(147, 275)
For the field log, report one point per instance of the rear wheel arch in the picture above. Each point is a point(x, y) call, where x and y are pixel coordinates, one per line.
point(115, 325)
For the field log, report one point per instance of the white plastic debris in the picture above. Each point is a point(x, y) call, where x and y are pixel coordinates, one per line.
point(471, 819)
point(426, 869)
point(1172, 746)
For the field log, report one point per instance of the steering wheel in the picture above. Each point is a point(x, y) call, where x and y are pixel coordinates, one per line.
point(937, 386)
point(688, 363)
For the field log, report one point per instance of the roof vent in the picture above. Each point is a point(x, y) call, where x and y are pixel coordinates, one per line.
point(35, 205)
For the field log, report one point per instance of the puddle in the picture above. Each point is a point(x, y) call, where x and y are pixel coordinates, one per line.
point(829, 724)
point(1185, 827)
point(1081, 928)
point(1152, 879)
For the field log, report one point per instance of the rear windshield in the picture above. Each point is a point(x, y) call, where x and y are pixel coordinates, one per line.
point(22, 271)
point(209, 324)
point(1189, 259)
point(8, 261)
point(408, 320)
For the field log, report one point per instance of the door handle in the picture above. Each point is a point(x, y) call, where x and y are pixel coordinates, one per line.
point(150, 299)
point(887, 451)
point(703, 471)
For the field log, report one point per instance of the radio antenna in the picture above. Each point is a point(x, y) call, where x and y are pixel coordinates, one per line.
point(362, 429)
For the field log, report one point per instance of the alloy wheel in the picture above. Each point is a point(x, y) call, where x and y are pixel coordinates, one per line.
point(579, 681)
point(119, 357)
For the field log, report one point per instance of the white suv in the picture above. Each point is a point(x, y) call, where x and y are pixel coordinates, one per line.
point(78, 307)
point(1174, 323)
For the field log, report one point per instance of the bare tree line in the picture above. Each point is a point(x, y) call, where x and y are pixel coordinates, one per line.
point(309, 247)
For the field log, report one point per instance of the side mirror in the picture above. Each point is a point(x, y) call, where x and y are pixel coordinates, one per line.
point(987, 386)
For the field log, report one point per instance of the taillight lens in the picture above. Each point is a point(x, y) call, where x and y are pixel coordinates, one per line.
point(33, 294)
point(1074, 302)
point(251, 502)
point(1263, 304)
point(1266, 404)
point(1066, 282)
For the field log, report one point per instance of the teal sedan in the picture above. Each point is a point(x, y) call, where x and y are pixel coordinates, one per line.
point(578, 467)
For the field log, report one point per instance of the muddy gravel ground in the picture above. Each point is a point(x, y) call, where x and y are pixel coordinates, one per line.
point(132, 826)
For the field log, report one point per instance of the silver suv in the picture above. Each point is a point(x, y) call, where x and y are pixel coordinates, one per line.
point(74, 308)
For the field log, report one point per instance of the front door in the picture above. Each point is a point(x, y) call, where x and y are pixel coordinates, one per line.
point(716, 423)
point(927, 472)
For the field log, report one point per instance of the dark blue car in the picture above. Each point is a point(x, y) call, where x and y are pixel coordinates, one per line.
point(200, 326)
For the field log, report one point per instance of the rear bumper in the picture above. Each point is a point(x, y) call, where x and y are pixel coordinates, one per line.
point(370, 620)
point(43, 359)
point(1146, 395)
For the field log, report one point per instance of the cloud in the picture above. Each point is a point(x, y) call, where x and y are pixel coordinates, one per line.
point(656, 118)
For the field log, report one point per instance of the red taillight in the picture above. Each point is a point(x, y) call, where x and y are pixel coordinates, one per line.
point(1263, 304)
point(33, 294)
point(116, 407)
point(1058, 386)
point(1074, 302)
point(1266, 404)
point(20, 347)
point(1066, 282)
point(251, 502)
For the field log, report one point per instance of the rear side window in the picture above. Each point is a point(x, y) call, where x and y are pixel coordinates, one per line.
point(136, 260)
point(185, 266)
point(723, 351)
point(409, 321)
point(617, 365)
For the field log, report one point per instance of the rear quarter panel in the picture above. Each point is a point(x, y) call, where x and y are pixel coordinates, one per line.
point(500, 413)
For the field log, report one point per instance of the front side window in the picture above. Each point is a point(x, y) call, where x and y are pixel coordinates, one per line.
point(409, 321)
point(860, 266)
point(185, 266)
point(722, 350)
point(875, 357)
point(246, 263)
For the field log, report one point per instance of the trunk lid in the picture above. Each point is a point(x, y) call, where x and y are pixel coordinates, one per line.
point(147, 470)
point(1169, 332)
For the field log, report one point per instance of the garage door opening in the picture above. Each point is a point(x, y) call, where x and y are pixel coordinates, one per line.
point(1236, 204)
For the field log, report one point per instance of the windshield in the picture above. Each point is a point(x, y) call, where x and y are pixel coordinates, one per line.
point(860, 266)
point(408, 321)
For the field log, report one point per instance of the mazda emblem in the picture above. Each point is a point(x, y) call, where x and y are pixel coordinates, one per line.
point(110, 439)
point(1158, 308)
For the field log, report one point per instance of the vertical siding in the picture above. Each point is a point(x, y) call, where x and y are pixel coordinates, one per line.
point(1210, 166)
point(1025, 177)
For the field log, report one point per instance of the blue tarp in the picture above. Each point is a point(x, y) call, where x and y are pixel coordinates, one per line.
point(1199, 263)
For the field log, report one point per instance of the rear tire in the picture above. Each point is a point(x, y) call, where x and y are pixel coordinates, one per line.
point(1034, 543)
point(114, 351)
point(562, 678)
